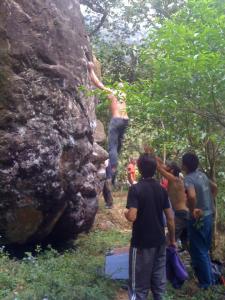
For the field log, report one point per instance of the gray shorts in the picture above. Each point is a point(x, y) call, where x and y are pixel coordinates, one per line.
point(147, 271)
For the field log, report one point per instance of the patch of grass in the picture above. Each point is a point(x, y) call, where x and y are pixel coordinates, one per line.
point(99, 241)
point(187, 293)
point(73, 275)
point(77, 274)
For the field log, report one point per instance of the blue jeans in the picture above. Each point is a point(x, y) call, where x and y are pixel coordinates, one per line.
point(117, 128)
point(200, 242)
point(107, 193)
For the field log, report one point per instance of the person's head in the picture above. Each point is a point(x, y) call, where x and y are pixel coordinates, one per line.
point(173, 168)
point(146, 165)
point(147, 148)
point(190, 162)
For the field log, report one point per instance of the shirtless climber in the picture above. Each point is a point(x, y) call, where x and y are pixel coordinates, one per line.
point(118, 122)
point(177, 196)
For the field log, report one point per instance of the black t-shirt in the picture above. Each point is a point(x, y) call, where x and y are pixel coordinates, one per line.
point(150, 199)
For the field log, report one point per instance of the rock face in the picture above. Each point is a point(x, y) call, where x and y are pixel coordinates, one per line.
point(48, 183)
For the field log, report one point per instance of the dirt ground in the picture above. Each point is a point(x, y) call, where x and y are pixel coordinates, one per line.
point(107, 219)
point(122, 295)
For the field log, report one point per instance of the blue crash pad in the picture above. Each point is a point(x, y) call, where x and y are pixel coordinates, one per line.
point(116, 265)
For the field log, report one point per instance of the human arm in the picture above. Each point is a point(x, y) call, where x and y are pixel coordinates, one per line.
point(170, 225)
point(191, 203)
point(192, 199)
point(131, 214)
point(95, 79)
point(132, 205)
point(162, 170)
point(190, 192)
point(161, 167)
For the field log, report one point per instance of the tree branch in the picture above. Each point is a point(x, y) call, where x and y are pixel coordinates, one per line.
point(94, 6)
point(206, 114)
point(94, 31)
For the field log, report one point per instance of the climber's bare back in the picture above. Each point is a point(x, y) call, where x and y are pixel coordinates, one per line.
point(117, 107)
point(117, 104)
point(177, 195)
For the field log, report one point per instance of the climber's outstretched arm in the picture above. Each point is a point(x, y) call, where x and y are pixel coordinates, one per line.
point(95, 79)
point(162, 170)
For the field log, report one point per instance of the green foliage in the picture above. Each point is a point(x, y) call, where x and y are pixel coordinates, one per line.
point(187, 57)
point(186, 293)
point(177, 101)
point(118, 59)
point(74, 274)
point(180, 92)
point(126, 18)
point(220, 201)
point(117, 27)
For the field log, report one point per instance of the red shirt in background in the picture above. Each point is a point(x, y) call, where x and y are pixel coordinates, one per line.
point(164, 183)
point(131, 172)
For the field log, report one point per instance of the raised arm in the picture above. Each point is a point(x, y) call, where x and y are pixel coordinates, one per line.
point(95, 79)
point(161, 167)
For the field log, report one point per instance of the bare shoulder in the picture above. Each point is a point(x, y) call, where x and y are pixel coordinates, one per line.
point(177, 183)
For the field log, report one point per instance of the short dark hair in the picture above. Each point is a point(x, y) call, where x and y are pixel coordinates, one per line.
point(190, 161)
point(147, 165)
point(174, 167)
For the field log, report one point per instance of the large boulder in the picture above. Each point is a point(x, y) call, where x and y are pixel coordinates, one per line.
point(48, 183)
point(99, 133)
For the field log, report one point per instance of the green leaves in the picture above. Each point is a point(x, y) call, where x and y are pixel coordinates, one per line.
point(181, 84)
point(176, 95)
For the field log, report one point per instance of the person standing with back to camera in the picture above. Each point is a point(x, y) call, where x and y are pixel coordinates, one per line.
point(146, 203)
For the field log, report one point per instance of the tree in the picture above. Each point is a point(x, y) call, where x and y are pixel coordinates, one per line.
point(182, 71)
point(188, 52)
point(117, 27)
point(96, 10)
point(133, 15)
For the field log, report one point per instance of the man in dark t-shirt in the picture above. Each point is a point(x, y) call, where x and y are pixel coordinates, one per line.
point(146, 202)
